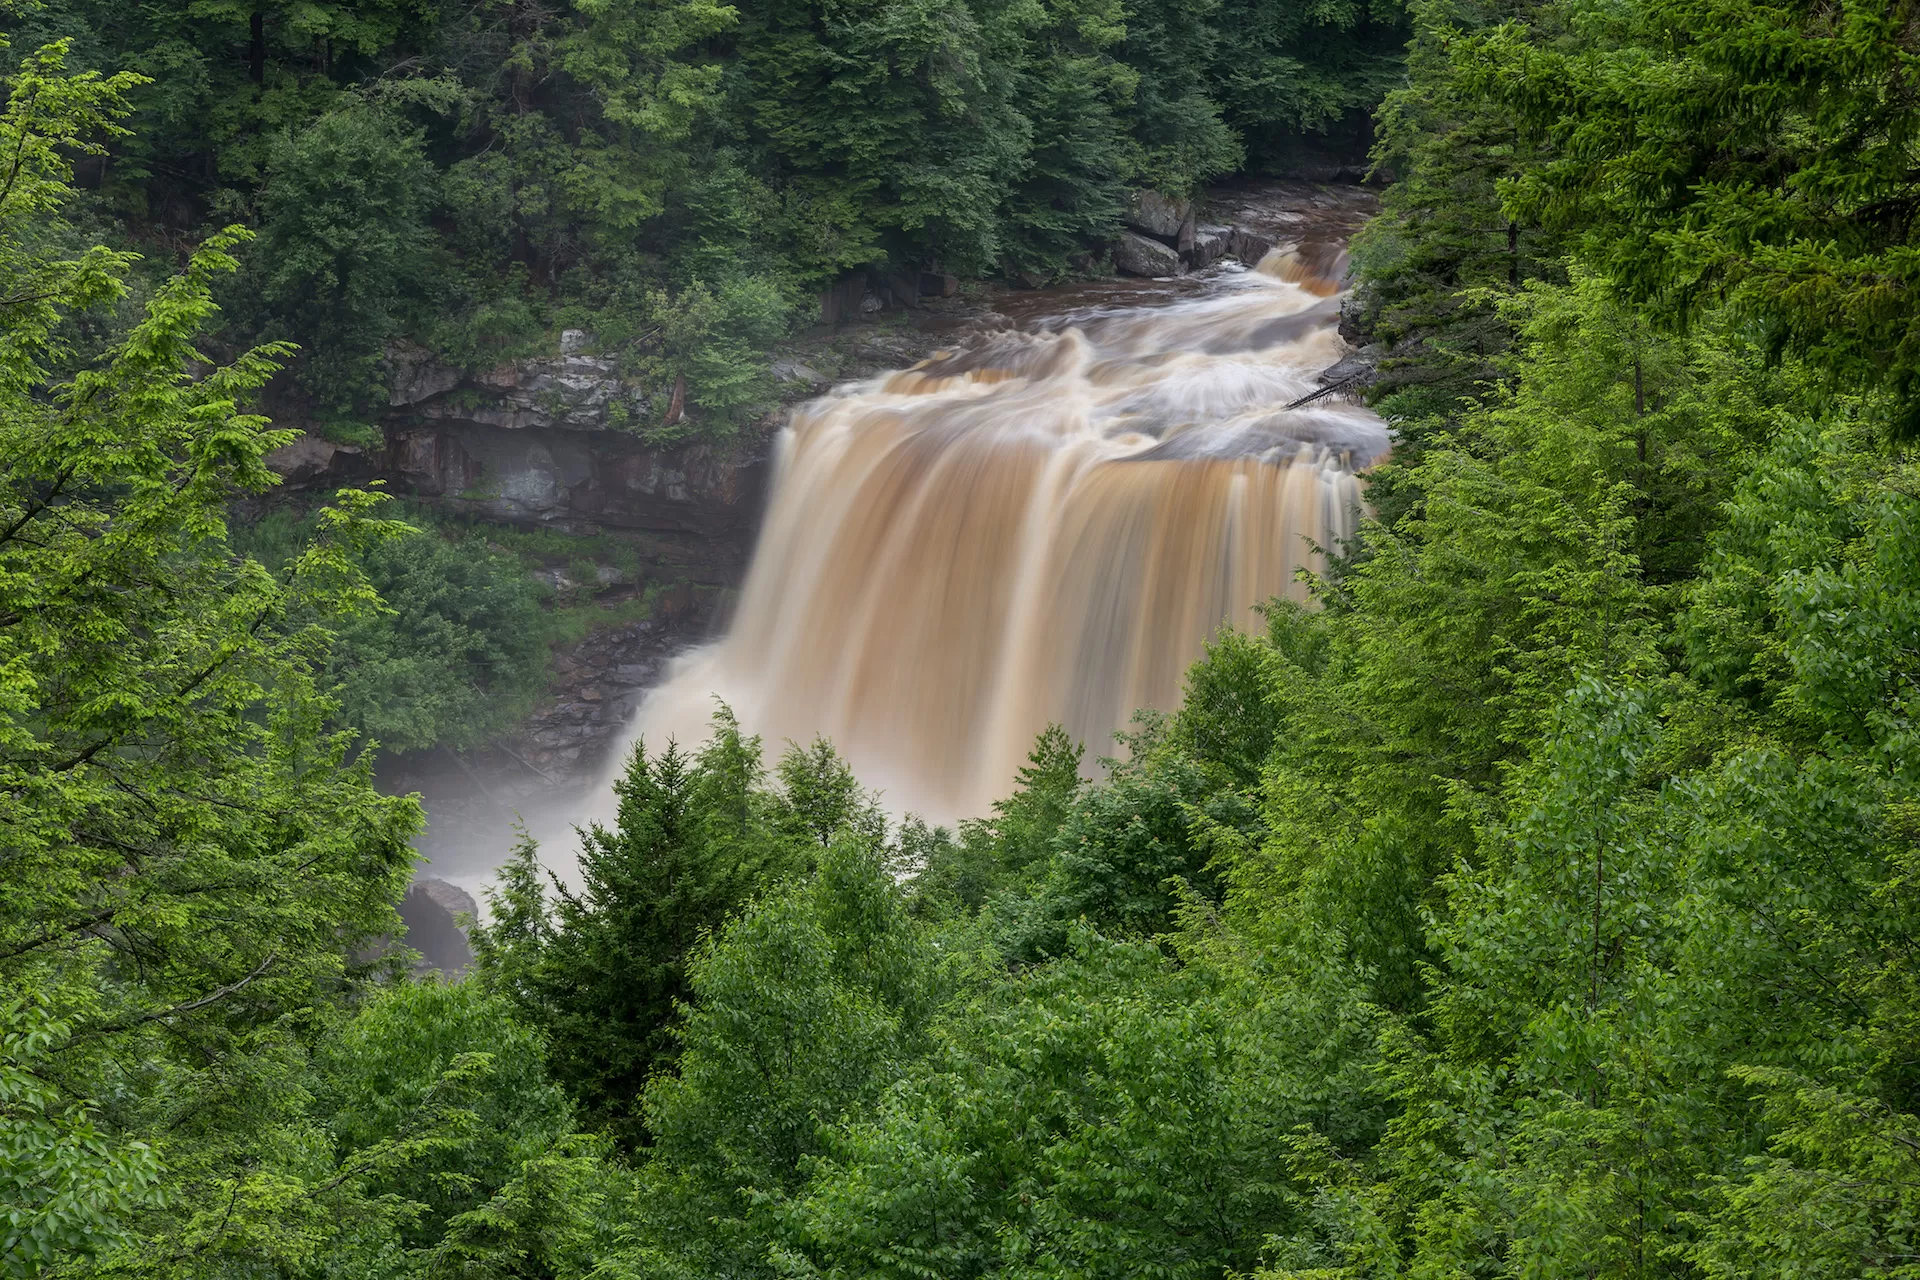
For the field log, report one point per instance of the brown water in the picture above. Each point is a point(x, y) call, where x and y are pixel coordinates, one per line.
point(1046, 527)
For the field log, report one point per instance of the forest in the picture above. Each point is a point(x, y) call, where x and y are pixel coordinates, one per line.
point(1540, 900)
point(679, 177)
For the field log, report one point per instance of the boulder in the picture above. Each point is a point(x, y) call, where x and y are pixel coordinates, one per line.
point(1138, 256)
point(905, 289)
point(790, 370)
point(414, 375)
point(432, 911)
point(1157, 215)
point(1248, 246)
point(574, 342)
point(1209, 244)
point(307, 458)
point(1354, 370)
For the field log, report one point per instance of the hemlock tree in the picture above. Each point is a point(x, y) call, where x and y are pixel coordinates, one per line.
point(602, 970)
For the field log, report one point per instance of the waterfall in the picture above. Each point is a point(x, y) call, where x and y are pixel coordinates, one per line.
point(1047, 526)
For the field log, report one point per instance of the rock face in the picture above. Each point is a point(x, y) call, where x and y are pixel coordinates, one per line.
point(1157, 215)
point(537, 442)
point(309, 458)
point(431, 911)
point(1313, 219)
point(1209, 245)
point(577, 392)
point(1245, 222)
point(606, 480)
point(1138, 256)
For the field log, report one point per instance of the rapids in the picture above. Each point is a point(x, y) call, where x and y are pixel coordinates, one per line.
point(1046, 527)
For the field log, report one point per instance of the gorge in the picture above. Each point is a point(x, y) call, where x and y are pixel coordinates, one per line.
point(1476, 825)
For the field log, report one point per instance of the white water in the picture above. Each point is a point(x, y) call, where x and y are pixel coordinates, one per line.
point(1045, 528)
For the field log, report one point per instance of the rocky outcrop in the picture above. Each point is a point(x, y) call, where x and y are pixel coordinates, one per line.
point(1316, 220)
point(1247, 222)
point(1156, 215)
point(1250, 246)
point(574, 392)
point(1138, 256)
point(432, 911)
point(598, 684)
point(538, 442)
point(544, 475)
point(1210, 242)
point(311, 458)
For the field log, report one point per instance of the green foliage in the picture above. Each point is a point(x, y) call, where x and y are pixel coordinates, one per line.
point(1127, 850)
point(191, 857)
point(458, 656)
point(677, 176)
point(67, 1187)
point(1442, 243)
point(1710, 154)
point(1109, 1112)
point(388, 1063)
point(995, 854)
point(1537, 902)
point(713, 336)
point(345, 250)
point(455, 655)
point(803, 1010)
point(603, 970)
point(819, 798)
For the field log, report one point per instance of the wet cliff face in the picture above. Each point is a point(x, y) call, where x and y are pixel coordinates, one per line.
point(558, 475)
point(534, 442)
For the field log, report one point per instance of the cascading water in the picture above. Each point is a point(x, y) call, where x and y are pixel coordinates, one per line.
point(1047, 527)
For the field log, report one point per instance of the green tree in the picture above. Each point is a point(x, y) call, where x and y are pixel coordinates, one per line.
point(457, 651)
point(993, 855)
point(457, 656)
point(1128, 847)
point(803, 1010)
point(819, 798)
point(1703, 154)
point(69, 1188)
point(377, 1072)
point(602, 971)
point(190, 858)
point(345, 247)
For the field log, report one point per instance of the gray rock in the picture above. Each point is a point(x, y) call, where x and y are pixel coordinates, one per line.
point(1248, 246)
point(1209, 244)
point(785, 370)
point(1155, 214)
point(634, 673)
point(307, 458)
point(1138, 256)
point(574, 341)
point(431, 910)
point(904, 290)
point(1354, 369)
point(450, 898)
point(414, 375)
